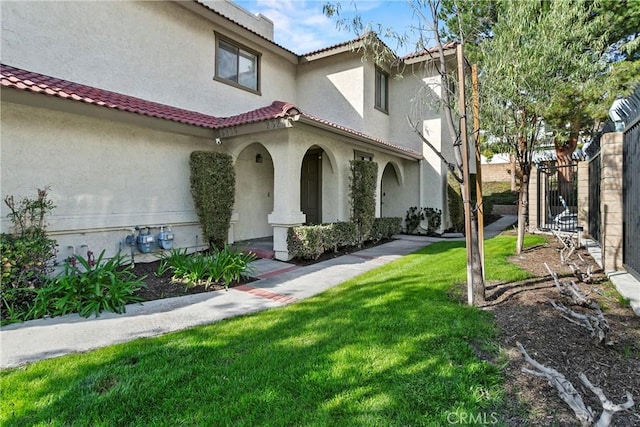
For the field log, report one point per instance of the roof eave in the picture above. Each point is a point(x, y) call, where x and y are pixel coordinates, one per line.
point(230, 25)
point(40, 100)
point(431, 56)
point(367, 141)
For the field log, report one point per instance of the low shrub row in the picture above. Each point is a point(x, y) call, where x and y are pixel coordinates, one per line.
point(311, 241)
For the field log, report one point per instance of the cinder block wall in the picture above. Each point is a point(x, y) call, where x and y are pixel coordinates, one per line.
point(533, 199)
point(496, 172)
point(611, 200)
point(583, 195)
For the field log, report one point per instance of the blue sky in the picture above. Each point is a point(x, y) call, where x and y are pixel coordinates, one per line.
point(301, 27)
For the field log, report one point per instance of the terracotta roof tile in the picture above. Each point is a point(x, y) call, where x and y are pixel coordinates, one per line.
point(430, 51)
point(17, 78)
point(39, 83)
point(354, 132)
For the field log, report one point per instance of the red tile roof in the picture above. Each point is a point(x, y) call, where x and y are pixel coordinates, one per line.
point(276, 110)
point(430, 51)
point(40, 83)
point(28, 81)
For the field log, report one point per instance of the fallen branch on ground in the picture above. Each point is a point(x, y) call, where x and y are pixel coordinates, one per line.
point(570, 395)
point(570, 290)
point(567, 391)
point(608, 407)
point(568, 248)
point(597, 325)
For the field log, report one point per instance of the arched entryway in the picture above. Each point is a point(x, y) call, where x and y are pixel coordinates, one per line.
point(311, 185)
point(391, 193)
point(254, 193)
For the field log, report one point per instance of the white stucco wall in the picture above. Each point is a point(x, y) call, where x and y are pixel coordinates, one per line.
point(254, 193)
point(105, 177)
point(258, 23)
point(158, 51)
point(334, 88)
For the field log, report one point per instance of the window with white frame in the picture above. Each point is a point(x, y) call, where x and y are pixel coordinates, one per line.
point(382, 90)
point(237, 65)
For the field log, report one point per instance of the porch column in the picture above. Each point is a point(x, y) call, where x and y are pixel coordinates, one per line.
point(286, 197)
point(611, 200)
point(583, 195)
point(534, 200)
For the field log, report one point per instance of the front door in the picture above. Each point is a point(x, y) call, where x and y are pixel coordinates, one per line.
point(310, 187)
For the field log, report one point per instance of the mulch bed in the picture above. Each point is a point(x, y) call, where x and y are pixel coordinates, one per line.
point(523, 313)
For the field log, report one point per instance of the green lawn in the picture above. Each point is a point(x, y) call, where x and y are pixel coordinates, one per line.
point(387, 348)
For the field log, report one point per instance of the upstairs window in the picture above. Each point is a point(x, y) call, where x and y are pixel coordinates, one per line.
point(237, 65)
point(382, 90)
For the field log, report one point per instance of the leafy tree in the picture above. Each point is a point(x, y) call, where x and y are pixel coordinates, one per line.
point(547, 67)
point(424, 34)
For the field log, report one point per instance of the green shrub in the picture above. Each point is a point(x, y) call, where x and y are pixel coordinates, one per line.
point(223, 266)
point(454, 202)
point(343, 233)
point(415, 215)
point(384, 228)
point(412, 219)
point(229, 265)
point(362, 189)
point(28, 255)
point(88, 289)
point(309, 241)
point(213, 182)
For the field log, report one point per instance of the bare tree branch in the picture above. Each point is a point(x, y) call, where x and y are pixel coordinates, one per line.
point(452, 167)
point(566, 390)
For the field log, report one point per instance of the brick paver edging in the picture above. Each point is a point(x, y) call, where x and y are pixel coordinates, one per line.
point(284, 299)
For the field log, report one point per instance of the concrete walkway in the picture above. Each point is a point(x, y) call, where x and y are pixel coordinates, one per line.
point(279, 284)
point(627, 285)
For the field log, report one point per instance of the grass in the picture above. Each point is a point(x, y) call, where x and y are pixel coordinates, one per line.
point(499, 193)
point(387, 348)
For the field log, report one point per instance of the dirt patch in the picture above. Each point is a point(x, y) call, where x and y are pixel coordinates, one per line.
point(523, 313)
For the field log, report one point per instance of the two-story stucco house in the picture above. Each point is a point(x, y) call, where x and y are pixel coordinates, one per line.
point(105, 101)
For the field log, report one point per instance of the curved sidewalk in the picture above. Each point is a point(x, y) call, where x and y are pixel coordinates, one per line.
point(279, 284)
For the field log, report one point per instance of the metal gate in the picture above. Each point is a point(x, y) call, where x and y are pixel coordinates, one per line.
point(631, 199)
point(595, 229)
point(558, 197)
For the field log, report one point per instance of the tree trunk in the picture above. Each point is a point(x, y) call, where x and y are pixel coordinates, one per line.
point(564, 157)
point(476, 262)
point(514, 174)
point(523, 208)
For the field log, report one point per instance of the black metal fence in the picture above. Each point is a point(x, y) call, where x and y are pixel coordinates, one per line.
point(595, 220)
point(558, 197)
point(631, 198)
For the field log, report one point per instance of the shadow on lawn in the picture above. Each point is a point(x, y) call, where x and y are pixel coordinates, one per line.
point(373, 351)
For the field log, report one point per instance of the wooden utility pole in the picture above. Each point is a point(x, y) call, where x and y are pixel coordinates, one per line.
point(476, 139)
point(466, 190)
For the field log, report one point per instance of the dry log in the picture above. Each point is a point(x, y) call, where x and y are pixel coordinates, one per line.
point(567, 391)
point(608, 407)
point(570, 290)
point(597, 325)
point(570, 395)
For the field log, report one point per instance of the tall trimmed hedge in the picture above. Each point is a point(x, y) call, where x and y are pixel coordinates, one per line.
point(454, 199)
point(213, 183)
point(362, 187)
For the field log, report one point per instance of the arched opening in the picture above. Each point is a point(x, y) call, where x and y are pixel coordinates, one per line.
point(254, 192)
point(311, 185)
point(390, 193)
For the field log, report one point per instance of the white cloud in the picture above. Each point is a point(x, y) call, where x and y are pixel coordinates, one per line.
point(300, 26)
